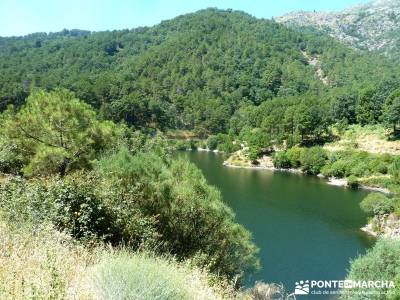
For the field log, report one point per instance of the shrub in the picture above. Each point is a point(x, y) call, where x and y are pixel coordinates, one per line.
point(42, 263)
point(253, 154)
point(145, 277)
point(312, 160)
point(377, 204)
point(396, 205)
point(142, 200)
point(212, 142)
point(79, 210)
point(202, 144)
point(386, 158)
point(294, 154)
point(335, 169)
point(379, 263)
point(382, 168)
point(358, 163)
point(228, 146)
point(70, 204)
point(352, 182)
point(26, 201)
point(360, 170)
point(190, 218)
point(259, 139)
point(182, 145)
point(394, 169)
point(11, 161)
point(264, 291)
point(281, 160)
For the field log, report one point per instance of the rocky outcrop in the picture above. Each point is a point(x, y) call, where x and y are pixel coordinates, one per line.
point(386, 226)
point(374, 26)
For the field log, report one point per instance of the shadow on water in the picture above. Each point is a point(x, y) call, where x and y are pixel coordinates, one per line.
point(305, 228)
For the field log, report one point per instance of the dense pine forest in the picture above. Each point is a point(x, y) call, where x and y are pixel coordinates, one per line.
point(201, 72)
point(85, 152)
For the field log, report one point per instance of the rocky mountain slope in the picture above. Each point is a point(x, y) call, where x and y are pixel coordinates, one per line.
point(374, 26)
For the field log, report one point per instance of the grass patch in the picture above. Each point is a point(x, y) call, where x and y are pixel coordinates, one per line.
point(369, 138)
point(42, 264)
point(141, 276)
point(38, 262)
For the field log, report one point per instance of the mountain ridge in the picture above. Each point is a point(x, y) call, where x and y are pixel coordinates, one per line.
point(374, 26)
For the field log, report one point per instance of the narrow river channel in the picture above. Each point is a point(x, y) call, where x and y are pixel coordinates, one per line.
point(305, 228)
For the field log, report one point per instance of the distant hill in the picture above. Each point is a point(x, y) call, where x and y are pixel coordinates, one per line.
point(374, 26)
point(192, 72)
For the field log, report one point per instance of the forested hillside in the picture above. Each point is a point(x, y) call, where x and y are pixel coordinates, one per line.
point(194, 72)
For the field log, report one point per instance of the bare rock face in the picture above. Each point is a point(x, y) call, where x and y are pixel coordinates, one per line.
point(386, 226)
point(374, 26)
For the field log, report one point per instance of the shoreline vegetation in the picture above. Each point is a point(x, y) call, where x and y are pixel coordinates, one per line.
point(329, 180)
point(386, 226)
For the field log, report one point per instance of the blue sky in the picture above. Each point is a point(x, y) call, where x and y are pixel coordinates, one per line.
point(20, 17)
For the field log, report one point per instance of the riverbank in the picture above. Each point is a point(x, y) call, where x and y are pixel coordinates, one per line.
point(239, 160)
point(386, 226)
point(344, 183)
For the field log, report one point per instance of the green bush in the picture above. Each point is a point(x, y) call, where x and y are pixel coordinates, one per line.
point(294, 154)
point(360, 170)
point(312, 160)
point(380, 263)
point(190, 217)
point(26, 201)
point(212, 142)
point(11, 160)
point(145, 277)
point(202, 144)
point(360, 164)
point(182, 145)
point(281, 160)
point(222, 142)
point(253, 154)
point(70, 204)
point(79, 210)
point(352, 182)
point(377, 204)
point(229, 147)
point(382, 168)
point(335, 169)
point(394, 169)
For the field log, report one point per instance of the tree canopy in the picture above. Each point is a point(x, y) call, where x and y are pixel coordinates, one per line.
point(55, 133)
point(196, 71)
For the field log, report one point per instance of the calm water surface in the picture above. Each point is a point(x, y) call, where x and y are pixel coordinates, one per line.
point(305, 228)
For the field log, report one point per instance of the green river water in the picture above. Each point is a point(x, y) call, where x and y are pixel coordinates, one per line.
point(305, 228)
